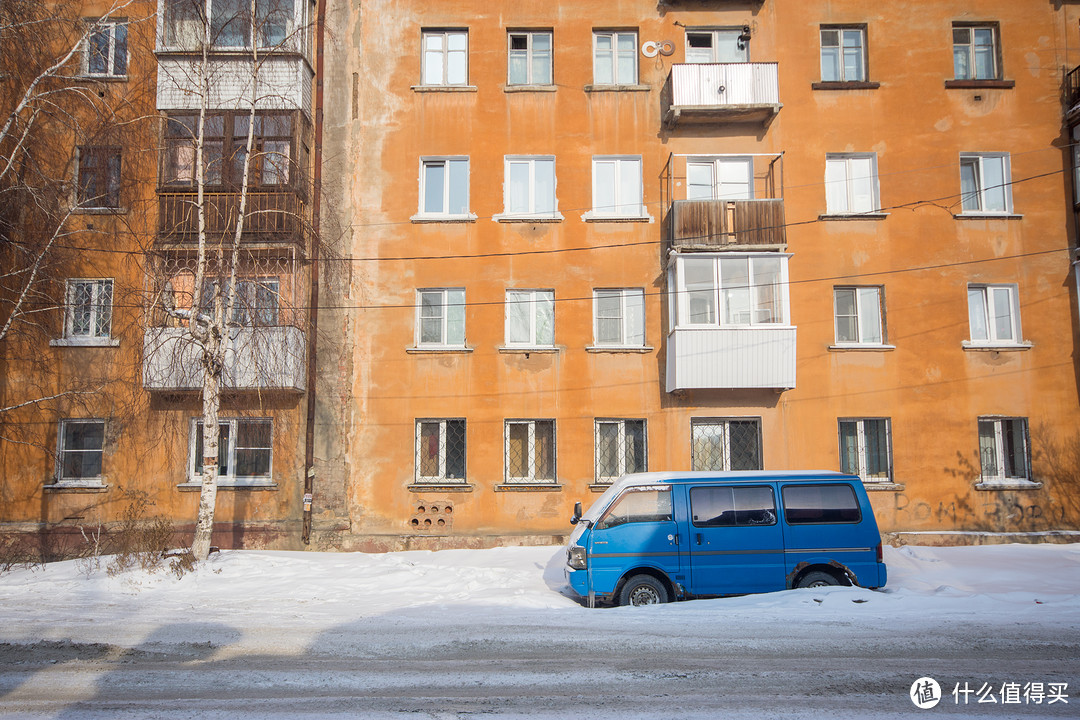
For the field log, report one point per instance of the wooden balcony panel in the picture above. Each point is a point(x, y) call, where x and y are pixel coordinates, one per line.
point(277, 217)
point(720, 224)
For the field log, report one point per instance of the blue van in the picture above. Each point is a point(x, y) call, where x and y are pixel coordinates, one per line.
point(656, 537)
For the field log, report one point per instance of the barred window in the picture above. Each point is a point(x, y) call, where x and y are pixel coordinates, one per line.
point(530, 451)
point(720, 444)
point(620, 449)
point(440, 450)
point(89, 309)
point(865, 449)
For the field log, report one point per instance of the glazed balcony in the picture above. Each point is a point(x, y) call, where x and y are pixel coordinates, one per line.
point(716, 93)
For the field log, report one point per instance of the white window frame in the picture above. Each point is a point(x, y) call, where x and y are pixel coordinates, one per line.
point(612, 63)
point(978, 200)
point(444, 53)
point(983, 301)
point(868, 302)
point(531, 212)
point(452, 301)
point(719, 295)
point(441, 478)
point(620, 445)
point(101, 310)
point(530, 478)
point(998, 432)
point(842, 50)
point(91, 481)
point(699, 55)
point(109, 28)
point(530, 55)
point(229, 478)
point(627, 194)
point(862, 448)
point(535, 300)
point(447, 162)
point(847, 183)
point(724, 423)
point(631, 327)
point(720, 187)
point(970, 48)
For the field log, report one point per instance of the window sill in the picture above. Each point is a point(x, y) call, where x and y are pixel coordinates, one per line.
point(104, 78)
point(470, 218)
point(986, 216)
point(76, 487)
point(639, 349)
point(600, 487)
point(528, 487)
point(447, 350)
point(226, 487)
point(519, 350)
point(443, 88)
point(617, 88)
point(854, 216)
point(99, 211)
point(87, 342)
point(980, 84)
point(879, 486)
point(529, 88)
point(862, 348)
point(591, 217)
point(440, 487)
point(556, 218)
point(1009, 484)
point(980, 347)
point(845, 85)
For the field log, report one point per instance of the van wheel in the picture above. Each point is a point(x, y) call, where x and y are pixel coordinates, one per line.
point(817, 578)
point(643, 590)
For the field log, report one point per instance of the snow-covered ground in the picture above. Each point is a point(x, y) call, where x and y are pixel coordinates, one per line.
point(452, 633)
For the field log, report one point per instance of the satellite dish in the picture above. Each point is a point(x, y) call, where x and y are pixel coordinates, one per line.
point(650, 49)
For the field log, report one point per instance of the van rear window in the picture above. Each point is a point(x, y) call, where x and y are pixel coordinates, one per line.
point(732, 506)
point(817, 504)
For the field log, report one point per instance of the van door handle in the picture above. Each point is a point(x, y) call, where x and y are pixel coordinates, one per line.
point(698, 538)
point(673, 538)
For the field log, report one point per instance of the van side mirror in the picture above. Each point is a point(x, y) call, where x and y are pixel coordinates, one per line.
point(577, 514)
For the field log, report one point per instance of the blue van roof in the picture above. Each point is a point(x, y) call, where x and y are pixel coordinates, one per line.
point(656, 478)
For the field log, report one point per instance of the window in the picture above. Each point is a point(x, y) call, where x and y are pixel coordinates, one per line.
point(733, 290)
point(723, 178)
point(530, 318)
point(615, 58)
point(865, 448)
point(440, 317)
point(725, 45)
point(858, 313)
point(446, 57)
point(1004, 454)
point(106, 48)
point(619, 317)
point(994, 315)
point(620, 449)
point(820, 504)
point(245, 451)
point(80, 448)
point(99, 177)
point(225, 148)
point(617, 187)
point(975, 52)
point(732, 506)
point(843, 54)
point(88, 313)
point(638, 505)
point(440, 450)
point(444, 187)
point(231, 24)
point(530, 451)
point(256, 302)
point(529, 187)
point(725, 444)
point(851, 184)
point(984, 183)
point(529, 58)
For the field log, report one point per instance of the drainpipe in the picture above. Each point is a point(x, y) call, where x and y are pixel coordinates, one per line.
point(313, 297)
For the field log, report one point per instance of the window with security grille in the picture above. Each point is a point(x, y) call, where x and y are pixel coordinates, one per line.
point(865, 448)
point(1004, 452)
point(620, 449)
point(721, 444)
point(88, 313)
point(530, 451)
point(440, 450)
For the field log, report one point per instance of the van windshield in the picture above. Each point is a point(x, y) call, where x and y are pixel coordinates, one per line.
point(638, 505)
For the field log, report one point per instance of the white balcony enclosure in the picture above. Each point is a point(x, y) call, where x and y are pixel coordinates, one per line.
point(256, 358)
point(731, 358)
point(708, 93)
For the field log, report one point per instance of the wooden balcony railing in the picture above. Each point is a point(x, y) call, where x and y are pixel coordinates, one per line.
point(276, 217)
point(715, 224)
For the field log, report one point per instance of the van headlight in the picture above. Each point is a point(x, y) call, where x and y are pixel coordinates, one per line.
point(575, 557)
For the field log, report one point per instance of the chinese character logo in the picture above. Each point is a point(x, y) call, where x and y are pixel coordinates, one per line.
point(925, 693)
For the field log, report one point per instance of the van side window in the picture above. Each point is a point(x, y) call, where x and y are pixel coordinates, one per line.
point(638, 505)
point(816, 504)
point(732, 506)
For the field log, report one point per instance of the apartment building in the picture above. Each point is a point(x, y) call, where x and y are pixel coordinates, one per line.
point(583, 239)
